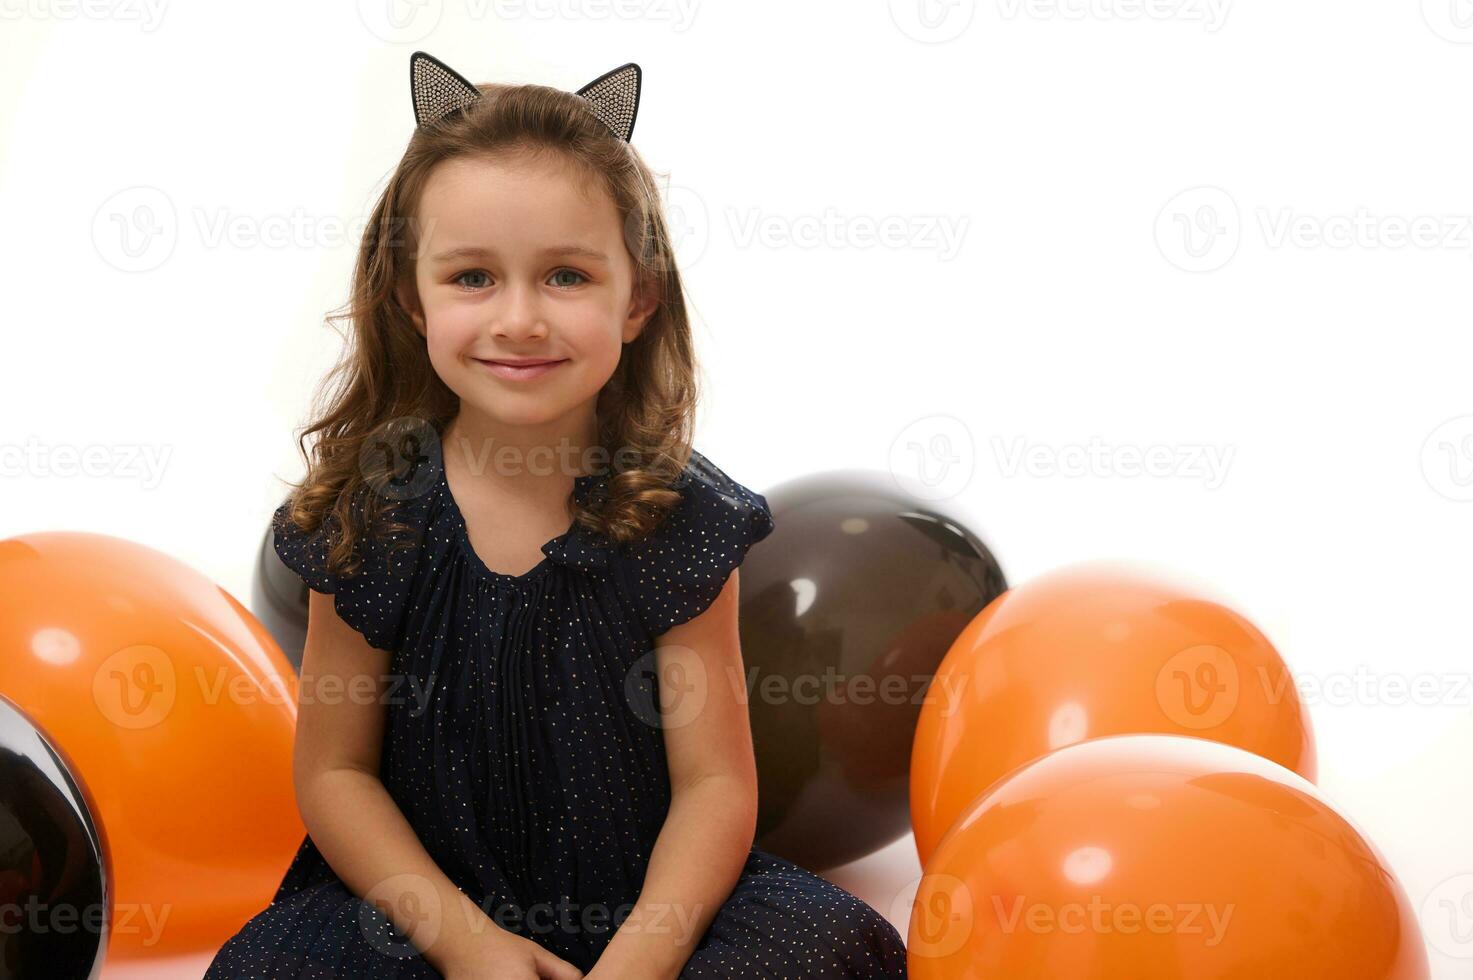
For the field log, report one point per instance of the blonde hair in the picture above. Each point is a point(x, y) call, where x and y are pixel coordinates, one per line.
point(645, 412)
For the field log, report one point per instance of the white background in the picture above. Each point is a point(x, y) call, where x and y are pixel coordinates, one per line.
point(1195, 228)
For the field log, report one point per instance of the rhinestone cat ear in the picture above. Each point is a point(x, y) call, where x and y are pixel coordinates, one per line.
point(438, 90)
point(615, 98)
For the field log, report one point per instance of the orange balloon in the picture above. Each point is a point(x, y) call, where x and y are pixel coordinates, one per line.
point(176, 709)
point(1092, 650)
point(1159, 857)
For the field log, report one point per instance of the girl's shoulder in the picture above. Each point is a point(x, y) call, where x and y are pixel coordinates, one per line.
point(390, 534)
point(679, 569)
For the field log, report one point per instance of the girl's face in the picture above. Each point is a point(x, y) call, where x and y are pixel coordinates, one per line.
point(517, 262)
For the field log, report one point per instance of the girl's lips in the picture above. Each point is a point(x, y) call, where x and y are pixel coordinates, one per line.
point(512, 372)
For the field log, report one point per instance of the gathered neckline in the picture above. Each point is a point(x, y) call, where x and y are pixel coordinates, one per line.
point(581, 484)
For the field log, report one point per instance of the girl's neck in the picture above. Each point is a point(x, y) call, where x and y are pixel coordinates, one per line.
point(519, 456)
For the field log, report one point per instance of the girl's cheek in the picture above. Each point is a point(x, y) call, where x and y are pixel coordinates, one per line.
point(451, 330)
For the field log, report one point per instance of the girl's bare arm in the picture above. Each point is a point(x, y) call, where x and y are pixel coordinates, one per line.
point(354, 821)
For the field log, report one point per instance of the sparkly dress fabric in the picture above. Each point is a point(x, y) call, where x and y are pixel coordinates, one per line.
point(521, 748)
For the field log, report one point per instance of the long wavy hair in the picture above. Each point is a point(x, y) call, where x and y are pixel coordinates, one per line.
point(646, 411)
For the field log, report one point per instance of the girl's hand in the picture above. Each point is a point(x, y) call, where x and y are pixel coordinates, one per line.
point(503, 955)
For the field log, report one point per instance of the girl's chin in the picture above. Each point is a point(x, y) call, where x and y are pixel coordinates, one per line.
point(523, 407)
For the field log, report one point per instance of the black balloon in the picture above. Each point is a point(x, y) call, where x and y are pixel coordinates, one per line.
point(279, 600)
point(847, 609)
point(53, 872)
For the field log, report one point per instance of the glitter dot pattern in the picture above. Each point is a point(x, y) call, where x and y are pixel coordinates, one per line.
point(517, 745)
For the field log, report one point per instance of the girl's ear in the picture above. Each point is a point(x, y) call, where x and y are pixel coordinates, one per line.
point(409, 299)
point(642, 306)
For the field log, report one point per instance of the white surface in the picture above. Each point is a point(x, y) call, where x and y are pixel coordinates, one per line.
point(1061, 144)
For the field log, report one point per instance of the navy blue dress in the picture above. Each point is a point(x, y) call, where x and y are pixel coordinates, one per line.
point(521, 748)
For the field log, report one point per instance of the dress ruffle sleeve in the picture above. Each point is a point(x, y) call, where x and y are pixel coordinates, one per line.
point(373, 599)
point(678, 571)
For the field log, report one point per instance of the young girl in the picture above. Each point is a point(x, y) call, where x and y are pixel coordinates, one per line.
point(523, 748)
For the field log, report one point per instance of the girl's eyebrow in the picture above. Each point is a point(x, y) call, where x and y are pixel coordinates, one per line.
point(476, 251)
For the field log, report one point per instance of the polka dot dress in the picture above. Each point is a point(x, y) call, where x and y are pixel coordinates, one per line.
point(519, 745)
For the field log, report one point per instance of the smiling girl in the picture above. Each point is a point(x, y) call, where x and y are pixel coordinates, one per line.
point(503, 505)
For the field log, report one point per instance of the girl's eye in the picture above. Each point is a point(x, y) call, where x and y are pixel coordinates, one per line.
point(469, 272)
point(580, 277)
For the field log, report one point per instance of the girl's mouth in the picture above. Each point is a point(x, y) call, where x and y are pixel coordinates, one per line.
point(521, 370)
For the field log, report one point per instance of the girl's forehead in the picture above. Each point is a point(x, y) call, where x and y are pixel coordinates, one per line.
point(514, 216)
point(507, 175)
point(473, 190)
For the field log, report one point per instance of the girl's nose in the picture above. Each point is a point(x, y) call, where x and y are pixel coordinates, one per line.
point(519, 315)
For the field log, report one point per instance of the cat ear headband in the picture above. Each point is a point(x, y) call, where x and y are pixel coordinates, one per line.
point(437, 91)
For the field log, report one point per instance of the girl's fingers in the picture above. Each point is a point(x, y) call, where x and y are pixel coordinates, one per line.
point(555, 968)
